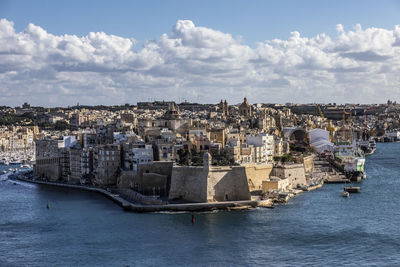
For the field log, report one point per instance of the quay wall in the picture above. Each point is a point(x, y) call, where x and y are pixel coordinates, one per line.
point(256, 174)
point(189, 183)
point(128, 206)
point(227, 184)
point(209, 184)
point(51, 171)
point(148, 178)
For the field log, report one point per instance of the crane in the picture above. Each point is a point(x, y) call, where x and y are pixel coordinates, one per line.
point(344, 122)
point(330, 128)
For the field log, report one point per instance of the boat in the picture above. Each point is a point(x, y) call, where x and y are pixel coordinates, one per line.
point(352, 189)
point(4, 172)
point(349, 159)
point(367, 146)
point(345, 194)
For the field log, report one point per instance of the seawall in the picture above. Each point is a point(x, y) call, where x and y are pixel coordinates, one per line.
point(128, 206)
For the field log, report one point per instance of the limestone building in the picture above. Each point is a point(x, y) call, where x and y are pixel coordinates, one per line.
point(245, 109)
point(223, 108)
point(107, 160)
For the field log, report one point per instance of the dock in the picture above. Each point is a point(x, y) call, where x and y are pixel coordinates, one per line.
point(337, 179)
point(328, 173)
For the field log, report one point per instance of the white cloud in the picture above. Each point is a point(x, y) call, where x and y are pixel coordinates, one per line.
point(197, 63)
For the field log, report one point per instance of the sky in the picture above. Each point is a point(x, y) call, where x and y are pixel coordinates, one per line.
point(59, 53)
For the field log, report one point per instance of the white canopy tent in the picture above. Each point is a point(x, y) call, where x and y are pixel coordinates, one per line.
point(319, 140)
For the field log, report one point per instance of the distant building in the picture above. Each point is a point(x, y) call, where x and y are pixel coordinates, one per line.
point(263, 147)
point(245, 109)
point(52, 158)
point(107, 160)
point(128, 118)
point(136, 154)
point(75, 157)
point(223, 108)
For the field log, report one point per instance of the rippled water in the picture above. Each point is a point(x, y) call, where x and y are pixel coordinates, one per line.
point(315, 228)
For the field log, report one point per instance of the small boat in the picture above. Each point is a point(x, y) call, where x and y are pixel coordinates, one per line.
point(48, 205)
point(345, 194)
point(352, 189)
point(4, 172)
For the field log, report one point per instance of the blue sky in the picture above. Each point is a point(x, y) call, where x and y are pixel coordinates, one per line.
point(253, 20)
point(116, 52)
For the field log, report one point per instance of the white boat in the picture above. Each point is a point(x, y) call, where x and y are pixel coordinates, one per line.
point(349, 159)
point(367, 146)
point(345, 194)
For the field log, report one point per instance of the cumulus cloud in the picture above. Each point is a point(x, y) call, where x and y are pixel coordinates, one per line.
point(199, 64)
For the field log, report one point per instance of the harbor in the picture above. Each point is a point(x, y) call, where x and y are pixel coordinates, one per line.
point(323, 172)
point(312, 224)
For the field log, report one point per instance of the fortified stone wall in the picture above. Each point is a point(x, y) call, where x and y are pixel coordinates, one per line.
point(256, 174)
point(189, 183)
point(209, 183)
point(125, 179)
point(152, 183)
point(227, 184)
point(158, 167)
point(202, 184)
point(51, 171)
point(148, 178)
